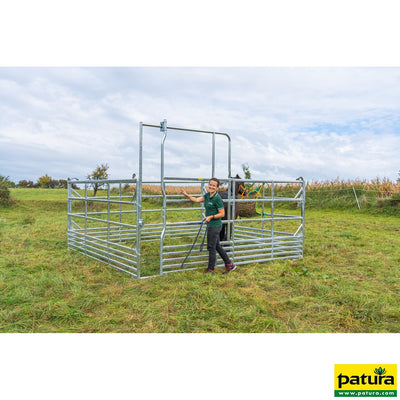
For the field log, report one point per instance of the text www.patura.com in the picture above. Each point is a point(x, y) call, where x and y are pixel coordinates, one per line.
point(366, 393)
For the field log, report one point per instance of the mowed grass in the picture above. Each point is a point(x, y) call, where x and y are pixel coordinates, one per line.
point(348, 281)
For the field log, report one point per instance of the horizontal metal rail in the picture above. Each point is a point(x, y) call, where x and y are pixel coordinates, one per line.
point(102, 200)
point(100, 220)
point(104, 255)
point(103, 181)
point(101, 259)
point(189, 130)
point(122, 249)
point(104, 213)
point(108, 253)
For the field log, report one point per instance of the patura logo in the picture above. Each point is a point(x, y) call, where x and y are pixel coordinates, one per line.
point(365, 380)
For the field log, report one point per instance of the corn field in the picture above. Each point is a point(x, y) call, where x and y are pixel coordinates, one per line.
point(377, 193)
point(362, 194)
point(383, 188)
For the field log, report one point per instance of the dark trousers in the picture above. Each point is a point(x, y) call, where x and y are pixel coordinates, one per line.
point(213, 245)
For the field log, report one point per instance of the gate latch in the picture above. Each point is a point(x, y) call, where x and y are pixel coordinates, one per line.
point(163, 126)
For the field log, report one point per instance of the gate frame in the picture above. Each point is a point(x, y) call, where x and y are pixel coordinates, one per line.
point(135, 251)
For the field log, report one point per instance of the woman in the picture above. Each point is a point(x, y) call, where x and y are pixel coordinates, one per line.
point(214, 212)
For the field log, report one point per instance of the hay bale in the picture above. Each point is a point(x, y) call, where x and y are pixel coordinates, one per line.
point(247, 209)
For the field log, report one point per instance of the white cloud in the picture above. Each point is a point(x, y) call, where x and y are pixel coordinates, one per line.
point(284, 122)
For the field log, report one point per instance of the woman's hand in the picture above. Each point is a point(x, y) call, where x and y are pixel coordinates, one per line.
point(220, 214)
point(191, 198)
point(209, 218)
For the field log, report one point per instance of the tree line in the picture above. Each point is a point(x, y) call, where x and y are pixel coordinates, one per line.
point(47, 182)
point(44, 181)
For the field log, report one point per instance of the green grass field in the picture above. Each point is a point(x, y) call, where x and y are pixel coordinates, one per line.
point(348, 281)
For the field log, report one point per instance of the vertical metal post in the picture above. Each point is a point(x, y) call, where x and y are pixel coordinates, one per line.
point(69, 209)
point(139, 221)
point(120, 210)
point(262, 211)
point(108, 221)
point(229, 157)
point(86, 220)
point(303, 212)
point(228, 228)
point(213, 155)
point(229, 216)
point(202, 208)
point(233, 214)
point(163, 128)
point(272, 219)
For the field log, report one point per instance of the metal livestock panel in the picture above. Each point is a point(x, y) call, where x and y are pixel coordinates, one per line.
point(106, 227)
point(150, 233)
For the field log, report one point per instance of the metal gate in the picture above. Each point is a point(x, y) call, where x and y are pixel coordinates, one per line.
point(105, 227)
point(147, 228)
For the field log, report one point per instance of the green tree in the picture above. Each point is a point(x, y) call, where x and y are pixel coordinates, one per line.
point(44, 181)
point(25, 184)
point(247, 175)
point(246, 171)
point(98, 174)
point(6, 182)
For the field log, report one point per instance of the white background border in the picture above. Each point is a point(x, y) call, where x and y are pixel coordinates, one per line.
point(182, 33)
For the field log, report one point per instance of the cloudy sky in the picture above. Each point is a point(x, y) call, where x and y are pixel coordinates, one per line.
point(316, 122)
